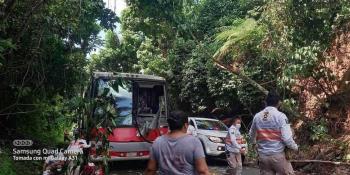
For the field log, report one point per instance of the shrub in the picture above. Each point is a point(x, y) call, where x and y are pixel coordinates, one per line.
point(319, 130)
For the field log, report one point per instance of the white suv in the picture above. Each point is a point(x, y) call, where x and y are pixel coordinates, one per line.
point(212, 133)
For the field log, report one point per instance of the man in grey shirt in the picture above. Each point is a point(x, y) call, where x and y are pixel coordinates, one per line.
point(177, 153)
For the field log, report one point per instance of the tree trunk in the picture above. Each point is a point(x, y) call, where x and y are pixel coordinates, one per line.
point(320, 161)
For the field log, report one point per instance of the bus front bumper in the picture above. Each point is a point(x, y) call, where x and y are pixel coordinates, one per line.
point(116, 158)
point(119, 151)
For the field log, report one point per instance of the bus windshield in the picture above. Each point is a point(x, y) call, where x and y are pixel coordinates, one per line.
point(121, 93)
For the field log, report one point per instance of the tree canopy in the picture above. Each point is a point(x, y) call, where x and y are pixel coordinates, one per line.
point(214, 54)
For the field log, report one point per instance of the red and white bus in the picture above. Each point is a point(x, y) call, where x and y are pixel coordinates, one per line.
point(141, 101)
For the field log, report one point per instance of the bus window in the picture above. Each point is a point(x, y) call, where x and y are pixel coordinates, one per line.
point(121, 93)
point(150, 99)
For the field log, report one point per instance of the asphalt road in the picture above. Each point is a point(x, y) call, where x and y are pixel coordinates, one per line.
point(217, 167)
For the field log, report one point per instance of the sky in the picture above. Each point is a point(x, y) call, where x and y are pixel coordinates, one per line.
point(120, 5)
point(117, 6)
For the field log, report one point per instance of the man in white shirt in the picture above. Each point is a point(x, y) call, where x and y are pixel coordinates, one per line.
point(234, 148)
point(271, 131)
point(191, 130)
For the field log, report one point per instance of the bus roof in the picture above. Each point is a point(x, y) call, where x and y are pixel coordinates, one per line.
point(111, 75)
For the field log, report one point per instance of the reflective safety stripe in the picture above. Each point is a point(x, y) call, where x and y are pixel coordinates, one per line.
point(239, 140)
point(269, 134)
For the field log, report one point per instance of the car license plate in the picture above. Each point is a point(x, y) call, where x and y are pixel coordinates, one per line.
point(132, 154)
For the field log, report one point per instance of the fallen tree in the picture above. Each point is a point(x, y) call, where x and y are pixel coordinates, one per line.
point(241, 76)
point(255, 84)
point(320, 161)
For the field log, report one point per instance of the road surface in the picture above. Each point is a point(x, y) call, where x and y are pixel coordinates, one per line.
point(217, 167)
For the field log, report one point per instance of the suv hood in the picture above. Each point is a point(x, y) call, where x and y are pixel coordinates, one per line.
point(212, 133)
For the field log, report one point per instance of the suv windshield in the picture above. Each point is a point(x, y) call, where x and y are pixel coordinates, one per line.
point(211, 125)
point(121, 92)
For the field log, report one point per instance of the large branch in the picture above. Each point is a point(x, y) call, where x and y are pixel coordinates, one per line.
point(236, 72)
point(253, 83)
point(320, 161)
point(245, 78)
point(241, 76)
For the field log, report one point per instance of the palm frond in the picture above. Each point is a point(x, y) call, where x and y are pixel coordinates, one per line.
point(234, 37)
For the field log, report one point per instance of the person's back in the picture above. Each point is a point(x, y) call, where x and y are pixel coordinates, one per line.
point(272, 132)
point(268, 124)
point(177, 155)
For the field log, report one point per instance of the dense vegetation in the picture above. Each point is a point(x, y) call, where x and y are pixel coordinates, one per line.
point(43, 50)
point(228, 54)
point(214, 54)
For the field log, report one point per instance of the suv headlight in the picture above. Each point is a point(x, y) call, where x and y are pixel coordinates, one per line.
point(215, 139)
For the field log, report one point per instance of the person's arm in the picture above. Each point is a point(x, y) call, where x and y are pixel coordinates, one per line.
point(201, 166)
point(234, 139)
point(44, 166)
point(151, 167)
point(252, 132)
point(287, 135)
point(199, 158)
point(47, 162)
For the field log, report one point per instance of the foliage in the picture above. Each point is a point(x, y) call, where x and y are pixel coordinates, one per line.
point(117, 56)
point(274, 43)
point(112, 40)
point(43, 50)
point(103, 108)
point(44, 47)
point(222, 87)
point(10, 167)
point(154, 18)
point(319, 131)
point(150, 58)
point(215, 14)
point(176, 60)
point(252, 150)
point(49, 120)
point(187, 67)
point(194, 81)
point(4, 45)
point(6, 164)
point(240, 39)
